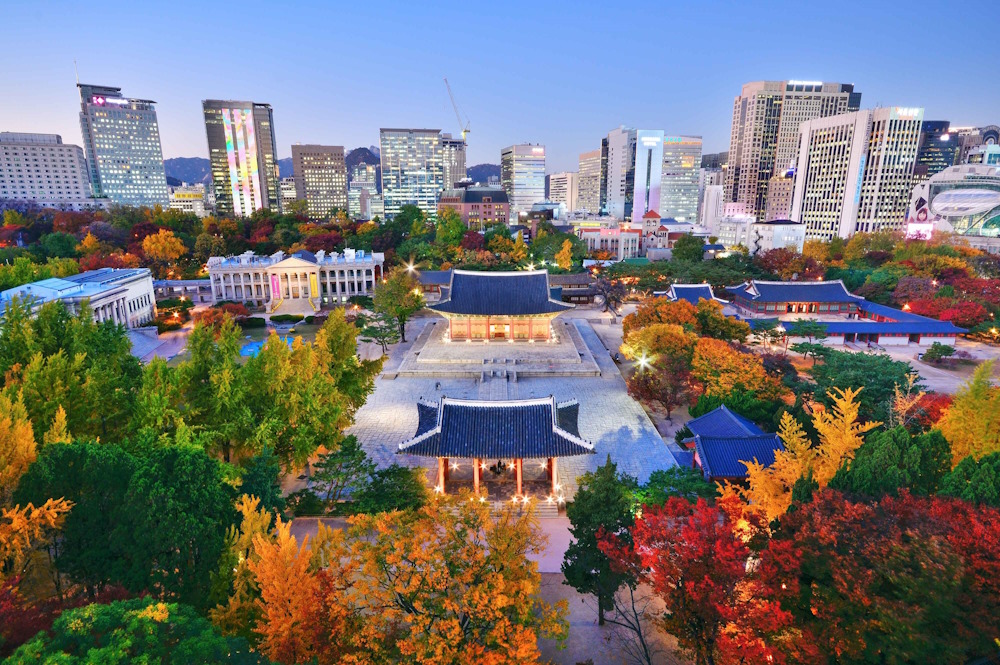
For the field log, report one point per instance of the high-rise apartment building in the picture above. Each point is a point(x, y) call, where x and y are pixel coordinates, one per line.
point(681, 170)
point(320, 178)
point(453, 160)
point(122, 141)
point(522, 176)
point(243, 155)
point(765, 132)
point(938, 150)
point(589, 182)
point(565, 188)
point(621, 172)
point(855, 171)
point(41, 170)
point(412, 169)
point(604, 176)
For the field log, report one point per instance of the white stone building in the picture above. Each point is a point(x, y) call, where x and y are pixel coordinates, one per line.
point(302, 282)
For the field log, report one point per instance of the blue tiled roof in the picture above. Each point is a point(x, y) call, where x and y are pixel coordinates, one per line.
point(692, 292)
point(434, 277)
point(500, 293)
point(723, 422)
point(684, 458)
point(526, 429)
point(723, 457)
point(912, 324)
point(716, 247)
point(834, 291)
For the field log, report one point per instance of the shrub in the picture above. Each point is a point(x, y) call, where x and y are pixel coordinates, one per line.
point(253, 322)
point(286, 318)
point(305, 503)
point(310, 319)
point(393, 488)
point(172, 303)
point(938, 352)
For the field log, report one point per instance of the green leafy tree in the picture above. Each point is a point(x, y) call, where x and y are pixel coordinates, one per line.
point(173, 523)
point(398, 297)
point(689, 248)
point(392, 488)
point(346, 467)
point(809, 328)
point(878, 374)
point(95, 477)
point(975, 481)
point(938, 352)
point(603, 504)
point(684, 482)
point(142, 630)
point(450, 228)
point(380, 329)
point(262, 479)
point(893, 460)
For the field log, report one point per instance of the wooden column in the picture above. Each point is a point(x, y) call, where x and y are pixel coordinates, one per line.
point(442, 465)
point(517, 471)
point(475, 474)
point(555, 475)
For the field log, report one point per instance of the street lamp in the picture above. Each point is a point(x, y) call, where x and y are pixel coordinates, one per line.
point(781, 331)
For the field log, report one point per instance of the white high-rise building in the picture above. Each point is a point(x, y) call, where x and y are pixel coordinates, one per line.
point(453, 160)
point(681, 170)
point(41, 170)
point(362, 192)
point(712, 206)
point(765, 132)
point(590, 182)
point(122, 141)
point(564, 189)
point(413, 171)
point(522, 176)
point(855, 171)
point(649, 162)
point(621, 172)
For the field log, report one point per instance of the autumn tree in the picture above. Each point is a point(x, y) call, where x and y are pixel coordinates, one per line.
point(720, 369)
point(603, 504)
point(163, 247)
point(611, 292)
point(399, 298)
point(769, 488)
point(711, 322)
point(663, 374)
point(661, 310)
point(564, 257)
point(721, 607)
point(451, 583)
point(972, 423)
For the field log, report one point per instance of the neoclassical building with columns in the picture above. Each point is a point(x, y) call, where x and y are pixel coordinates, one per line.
point(295, 283)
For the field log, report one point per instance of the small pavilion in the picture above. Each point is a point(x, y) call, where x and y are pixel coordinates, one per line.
point(509, 431)
point(500, 305)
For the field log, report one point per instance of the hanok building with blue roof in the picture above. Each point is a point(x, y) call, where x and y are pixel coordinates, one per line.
point(722, 440)
point(516, 306)
point(691, 293)
point(540, 430)
point(846, 318)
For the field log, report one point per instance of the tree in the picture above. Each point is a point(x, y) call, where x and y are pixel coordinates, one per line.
point(519, 251)
point(173, 523)
point(689, 248)
point(877, 373)
point(972, 423)
point(564, 257)
point(721, 369)
point(262, 479)
point(721, 609)
point(679, 481)
point(711, 322)
point(346, 467)
point(380, 329)
point(975, 480)
point(938, 352)
point(665, 381)
point(399, 298)
point(603, 504)
point(392, 488)
point(612, 293)
point(894, 460)
point(769, 489)
point(450, 228)
point(452, 583)
point(661, 310)
point(131, 631)
point(808, 328)
point(163, 247)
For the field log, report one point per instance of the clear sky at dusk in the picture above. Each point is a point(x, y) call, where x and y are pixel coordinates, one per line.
point(558, 73)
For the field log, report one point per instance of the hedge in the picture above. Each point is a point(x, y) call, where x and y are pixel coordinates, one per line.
point(286, 318)
point(253, 322)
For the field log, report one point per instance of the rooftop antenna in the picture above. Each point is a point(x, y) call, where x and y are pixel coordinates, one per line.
point(77, 69)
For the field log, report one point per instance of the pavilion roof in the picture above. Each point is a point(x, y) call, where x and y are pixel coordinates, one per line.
point(520, 293)
point(723, 456)
point(495, 429)
point(761, 291)
point(721, 421)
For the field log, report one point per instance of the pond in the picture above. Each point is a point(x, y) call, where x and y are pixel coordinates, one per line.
point(251, 349)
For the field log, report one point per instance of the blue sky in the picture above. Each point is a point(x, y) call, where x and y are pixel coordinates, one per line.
point(558, 73)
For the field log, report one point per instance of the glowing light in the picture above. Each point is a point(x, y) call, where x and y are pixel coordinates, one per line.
point(906, 307)
point(531, 266)
point(438, 489)
point(416, 292)
point(544, 465)
point(643, 361)
point(410, 267)
point(482, 465)
point(454, 466)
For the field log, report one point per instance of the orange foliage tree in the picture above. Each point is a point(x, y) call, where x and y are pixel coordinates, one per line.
point(721, 369)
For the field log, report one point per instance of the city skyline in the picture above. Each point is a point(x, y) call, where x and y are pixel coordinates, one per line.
point(568, 113)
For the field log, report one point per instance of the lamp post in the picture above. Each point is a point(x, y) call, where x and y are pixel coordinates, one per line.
point(781, 331)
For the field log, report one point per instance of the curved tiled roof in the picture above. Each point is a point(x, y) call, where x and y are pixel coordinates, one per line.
point(519, 293)
point(723, 457)
point(524, 429)
point(760, 291)
point(723, 422)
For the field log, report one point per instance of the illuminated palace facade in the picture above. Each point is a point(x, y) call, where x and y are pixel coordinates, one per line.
point(511, 306)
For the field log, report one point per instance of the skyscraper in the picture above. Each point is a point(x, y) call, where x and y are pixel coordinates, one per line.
point(765, 132)
point(938, 150)
point(681, 169)
point(589, 182)
point(621, 172)
point(42, 170)
point(452, 160)
point(855, 171)
point(122, 140)
point(412, 169)
point(320, 177)
point(648, 172)
point(565, 188)
point(522, 176)
point(362, 191)
point(242, 151)
point(604, 176)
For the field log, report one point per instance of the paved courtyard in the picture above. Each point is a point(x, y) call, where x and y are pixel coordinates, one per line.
point(610, 419)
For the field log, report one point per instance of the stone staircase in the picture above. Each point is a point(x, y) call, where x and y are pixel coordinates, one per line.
point(498, 380)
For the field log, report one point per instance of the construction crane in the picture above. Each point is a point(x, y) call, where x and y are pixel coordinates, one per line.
point(454, 104)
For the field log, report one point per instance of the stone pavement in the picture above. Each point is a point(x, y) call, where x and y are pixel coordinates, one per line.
point(610, 419)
